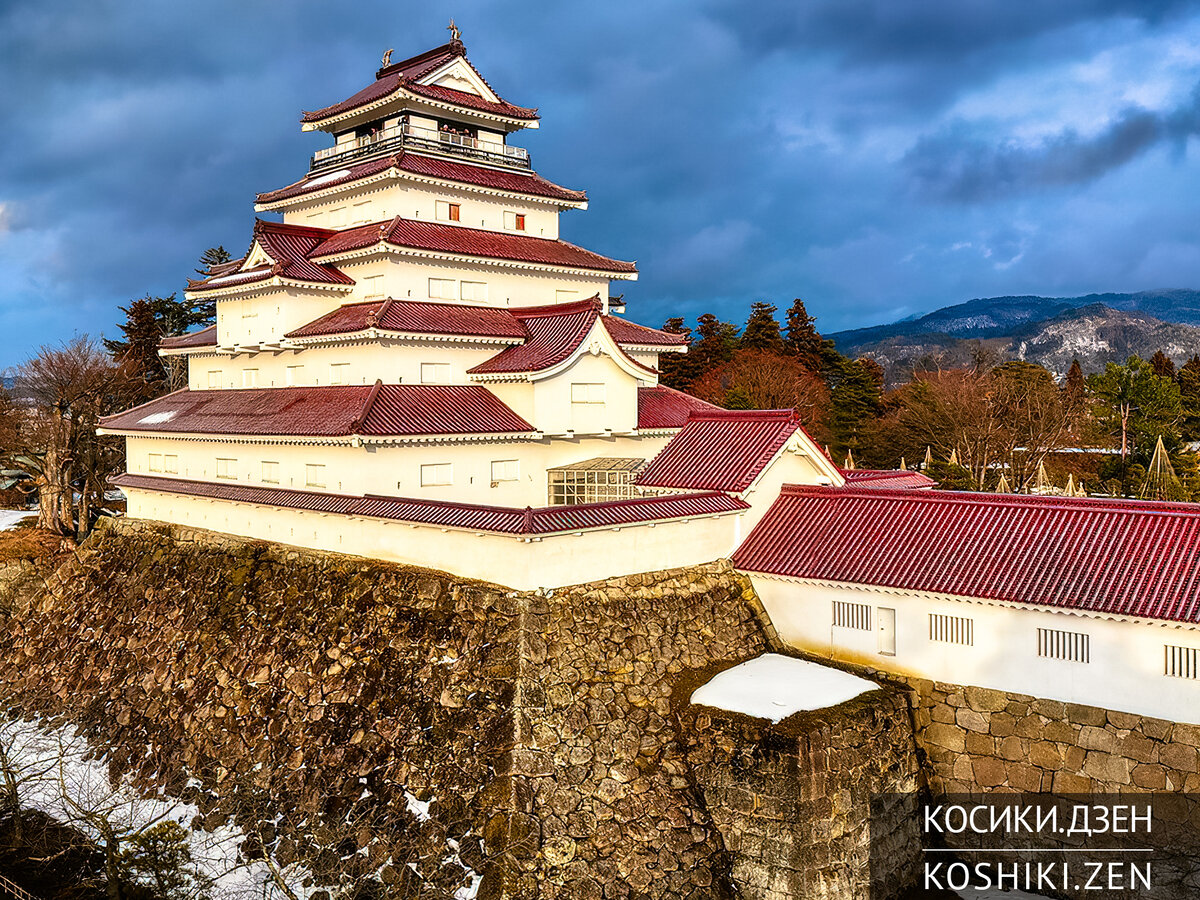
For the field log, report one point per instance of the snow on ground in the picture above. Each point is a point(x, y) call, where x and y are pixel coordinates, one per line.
point(773, 687)
point(59, 777)
point(10, 517)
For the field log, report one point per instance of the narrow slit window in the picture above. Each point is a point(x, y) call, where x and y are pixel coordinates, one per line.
point(952, 629)
point(1181, 662)
point(1070, 646)
point(851, 615)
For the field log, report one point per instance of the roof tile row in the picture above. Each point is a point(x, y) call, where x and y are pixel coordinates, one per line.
point(501, 519)
point(1119, 557)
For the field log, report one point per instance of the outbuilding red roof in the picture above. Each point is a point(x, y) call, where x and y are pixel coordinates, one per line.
point(1121, 557)
point(415, 317)
point(436, 237)
point(406, 75)
point(431, 167)
point(205, 337)
point(881, 479)
point(662, 407)
point(723, 450)
point(502, 519)
point(290, 247)
point(379, 410)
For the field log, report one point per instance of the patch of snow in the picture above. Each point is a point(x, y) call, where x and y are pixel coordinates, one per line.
point(326, 179)
point(469, 891)
point(10, 517)
point(60, 775)
point(417, 808)
point(774, 687)
point(158, 418)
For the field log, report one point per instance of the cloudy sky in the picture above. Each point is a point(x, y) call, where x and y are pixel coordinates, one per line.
point(879, 158)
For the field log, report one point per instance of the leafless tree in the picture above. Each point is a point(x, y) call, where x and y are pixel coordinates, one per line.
point(71, 386)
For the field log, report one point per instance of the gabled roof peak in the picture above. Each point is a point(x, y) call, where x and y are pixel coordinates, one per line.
point(423, 63)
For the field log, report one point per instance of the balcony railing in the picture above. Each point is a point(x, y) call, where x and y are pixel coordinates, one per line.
point(387, 140)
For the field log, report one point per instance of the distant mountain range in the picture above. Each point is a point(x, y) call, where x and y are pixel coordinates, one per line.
point(1050, 331)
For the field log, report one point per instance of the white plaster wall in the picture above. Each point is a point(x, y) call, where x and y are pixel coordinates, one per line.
point(405, 278)
point(385, 200)
point(393, 361)
point(267, 317)
point(1126, 671)
point(555, 413)
point(792, 467)
point(552, 561)
point(391, 470)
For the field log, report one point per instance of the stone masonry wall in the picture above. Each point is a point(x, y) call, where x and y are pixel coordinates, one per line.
point(806, 804)
point(319, 700)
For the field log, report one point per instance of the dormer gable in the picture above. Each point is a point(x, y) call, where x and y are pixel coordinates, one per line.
point(459, 75)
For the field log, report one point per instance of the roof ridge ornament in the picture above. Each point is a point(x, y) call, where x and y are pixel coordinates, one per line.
point(387, 58)
point(455, 34)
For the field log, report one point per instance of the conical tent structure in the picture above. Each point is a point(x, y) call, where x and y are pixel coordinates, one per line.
point(903, 467)
point(1161, 481)
point(953, 460)
point(849, 464)
point(1002, 486)
point(1041, 482)
point(928, 456)
point(1070, 491)
point(1080, 490)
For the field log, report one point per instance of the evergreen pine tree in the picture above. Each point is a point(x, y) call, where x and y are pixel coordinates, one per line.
point(762, 330)
point(213, 256)
point(716, 343)
point(1189, 396)
point(803, 341)
point(138, 352)
point(678, 370)
point(1162, 365)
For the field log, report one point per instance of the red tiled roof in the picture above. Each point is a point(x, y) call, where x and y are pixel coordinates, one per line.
point(380, 410)
point(431, 167)
point(502, 519)
point(625, 332)
point(887, 478)
point(1121, 557)
point(721, 451)
point(552, 334)
point(415, 317)
point(290, 246)
point(205, 337)
point(439, 238)
point(662, 407)
point(406, 73)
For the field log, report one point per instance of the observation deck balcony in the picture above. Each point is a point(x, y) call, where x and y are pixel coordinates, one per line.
point(389, 140)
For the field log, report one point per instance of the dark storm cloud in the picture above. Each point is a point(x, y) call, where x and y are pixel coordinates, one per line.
point(962, 169)
point(737, 151)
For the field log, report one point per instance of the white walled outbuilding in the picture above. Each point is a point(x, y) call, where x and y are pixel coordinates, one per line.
point(1124, 671)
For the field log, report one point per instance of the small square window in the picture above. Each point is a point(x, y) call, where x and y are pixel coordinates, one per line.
point(339, 373)
point(506, 469)
point(514, 221)
point(214, 379)
point(270, 472)
point(587, 393)
point(435, 373)
point(249, 377)
point(171, 464)
point(292, 374)
point(447, 212)
point(474, 291)
point(435, 474)
point(441, 288)
point(314, 475)
point(226, 468)
point(156, 462)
